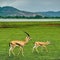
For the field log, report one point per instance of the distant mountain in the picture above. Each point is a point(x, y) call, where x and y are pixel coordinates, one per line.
point(11, 11)
point(50, 14)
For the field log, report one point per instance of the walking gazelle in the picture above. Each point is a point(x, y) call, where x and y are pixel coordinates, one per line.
point(21, 44)
point(43, 44)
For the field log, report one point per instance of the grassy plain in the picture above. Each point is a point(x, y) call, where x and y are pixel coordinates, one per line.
point(39, 31)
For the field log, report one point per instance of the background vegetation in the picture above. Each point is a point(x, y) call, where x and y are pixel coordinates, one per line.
point(35, 17)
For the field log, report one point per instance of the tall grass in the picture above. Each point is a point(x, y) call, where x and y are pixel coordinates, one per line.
point(21, 24)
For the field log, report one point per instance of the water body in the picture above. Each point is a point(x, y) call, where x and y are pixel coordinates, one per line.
point(24, 20)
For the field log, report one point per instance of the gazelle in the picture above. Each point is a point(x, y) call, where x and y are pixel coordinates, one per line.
point(43, 44)
point(21, 44)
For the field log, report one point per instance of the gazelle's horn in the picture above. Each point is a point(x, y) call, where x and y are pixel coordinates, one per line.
point(27, 34)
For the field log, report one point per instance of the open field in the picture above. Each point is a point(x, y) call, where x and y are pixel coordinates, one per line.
point(39, 31)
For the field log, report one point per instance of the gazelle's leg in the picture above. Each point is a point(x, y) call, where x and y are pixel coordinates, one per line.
point(22, 50)
point(19, 50)
point(11, 51)
point(37, 49)
point(33, 48)
point(45, 48)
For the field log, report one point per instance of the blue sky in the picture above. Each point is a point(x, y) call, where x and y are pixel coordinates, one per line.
point(33, 5)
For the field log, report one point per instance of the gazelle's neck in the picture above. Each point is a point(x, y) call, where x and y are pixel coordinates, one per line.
point(26, 39)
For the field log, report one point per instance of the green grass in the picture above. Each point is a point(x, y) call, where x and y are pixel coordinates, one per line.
point(38, 32)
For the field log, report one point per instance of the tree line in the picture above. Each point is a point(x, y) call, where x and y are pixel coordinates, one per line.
point(31, 17)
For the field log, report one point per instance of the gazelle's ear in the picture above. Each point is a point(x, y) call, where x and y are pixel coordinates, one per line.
point(48, 42)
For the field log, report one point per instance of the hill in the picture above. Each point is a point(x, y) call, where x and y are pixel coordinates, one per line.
point(11, 11)
point(50, 13)
point(8, 11)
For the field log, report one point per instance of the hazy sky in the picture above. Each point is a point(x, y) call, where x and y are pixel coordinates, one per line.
point(33, 5)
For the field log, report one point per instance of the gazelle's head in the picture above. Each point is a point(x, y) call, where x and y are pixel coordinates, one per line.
point(28, 36)
point(48, 42)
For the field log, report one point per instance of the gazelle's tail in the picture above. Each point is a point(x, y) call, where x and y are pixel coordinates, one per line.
point(9, 44)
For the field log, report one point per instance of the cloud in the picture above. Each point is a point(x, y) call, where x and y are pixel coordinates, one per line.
point(6, 2)
point(13, 2)
point(32, 5)
point(20, 3)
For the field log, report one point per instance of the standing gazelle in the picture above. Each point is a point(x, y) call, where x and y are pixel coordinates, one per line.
point(43, 44)
point(21, 44)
